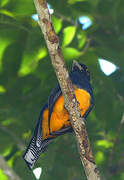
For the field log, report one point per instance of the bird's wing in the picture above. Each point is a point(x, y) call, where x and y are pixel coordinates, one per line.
point(38, 128)
point(55, 94)
point(62, 131)
point(82, 82)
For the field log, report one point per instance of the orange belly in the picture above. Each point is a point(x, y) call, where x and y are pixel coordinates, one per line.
point(60, 117)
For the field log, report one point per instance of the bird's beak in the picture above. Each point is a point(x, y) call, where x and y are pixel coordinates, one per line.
point(76, 64)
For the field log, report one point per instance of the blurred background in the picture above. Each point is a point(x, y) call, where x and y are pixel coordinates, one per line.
point(91, 32)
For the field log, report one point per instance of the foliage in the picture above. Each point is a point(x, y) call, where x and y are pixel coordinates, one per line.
point(27, 77)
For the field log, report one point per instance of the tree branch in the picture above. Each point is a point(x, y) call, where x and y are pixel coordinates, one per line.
point(62, 17)
point(20, 144)
point(67, 89)
point(116, 140)
point(7, 170)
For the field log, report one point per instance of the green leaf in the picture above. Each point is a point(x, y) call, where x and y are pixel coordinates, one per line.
point(30, 61)
point(68, 33)
point(22, 7)
point(2, 89)
point(122, 176)
point(71, 53)
point(3, 2)
point(12, 159)
point(57, 24)
point(74, 1)
point(8, 121)
point(4, 44)
point(2, 175)
point(27, 134)
point(104, 143)
point(7, 13)
point(81, 39)
point(7, 151)
point(7, 37)
point(99, 157)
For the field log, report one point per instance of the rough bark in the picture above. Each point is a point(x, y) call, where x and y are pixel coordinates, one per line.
point(67, 89)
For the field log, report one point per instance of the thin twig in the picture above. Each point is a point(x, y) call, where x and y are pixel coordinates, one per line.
point(65, 18)
point(86, 47)
point(18, 142)
point(16, 25)
point(67, 89)
point(7, 170)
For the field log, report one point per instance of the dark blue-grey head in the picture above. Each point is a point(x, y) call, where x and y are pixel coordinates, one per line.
point(82, 68)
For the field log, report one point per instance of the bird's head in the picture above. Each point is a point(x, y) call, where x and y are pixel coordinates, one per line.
point(80, 68)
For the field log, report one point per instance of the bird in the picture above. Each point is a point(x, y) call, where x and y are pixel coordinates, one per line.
point(54, 118)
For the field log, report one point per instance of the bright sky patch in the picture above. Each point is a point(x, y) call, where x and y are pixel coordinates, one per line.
point(35, 17)
point(85, 21)
point(107, 67)
point(37, 172)
point(50, 9)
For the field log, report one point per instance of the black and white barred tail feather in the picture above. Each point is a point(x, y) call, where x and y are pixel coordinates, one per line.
point(37, 145)
point(33, 151)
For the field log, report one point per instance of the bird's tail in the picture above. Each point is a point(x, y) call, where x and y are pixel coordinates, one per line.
point(37, 144)
point(33, 151)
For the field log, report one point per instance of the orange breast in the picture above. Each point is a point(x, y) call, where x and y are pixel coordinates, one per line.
point(60, 117)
